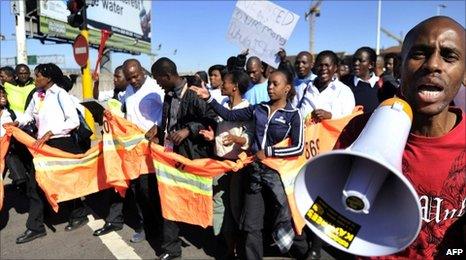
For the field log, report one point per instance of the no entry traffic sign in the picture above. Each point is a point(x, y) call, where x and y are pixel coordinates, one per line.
point(81, 50)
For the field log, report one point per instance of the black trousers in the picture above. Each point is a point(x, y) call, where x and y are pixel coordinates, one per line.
point(171, 243)
point(261, 180)
point(142, 196)
point(115, 212)
point(35, 219)
point(19, 161)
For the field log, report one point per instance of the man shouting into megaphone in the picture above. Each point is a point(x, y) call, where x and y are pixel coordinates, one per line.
point(433, 70)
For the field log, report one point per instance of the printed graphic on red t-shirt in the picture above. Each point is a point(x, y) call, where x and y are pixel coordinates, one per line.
point(437, 169)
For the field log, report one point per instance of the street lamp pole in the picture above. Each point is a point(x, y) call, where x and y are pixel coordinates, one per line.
point(21, 50)
point(379, 14)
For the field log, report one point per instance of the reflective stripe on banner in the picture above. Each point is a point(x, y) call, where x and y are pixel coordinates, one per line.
point(174, 177)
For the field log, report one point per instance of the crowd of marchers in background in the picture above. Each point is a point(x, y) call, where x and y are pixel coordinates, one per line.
point(246, 105)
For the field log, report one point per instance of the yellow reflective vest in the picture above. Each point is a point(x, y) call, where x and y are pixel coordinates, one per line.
point(17, 96)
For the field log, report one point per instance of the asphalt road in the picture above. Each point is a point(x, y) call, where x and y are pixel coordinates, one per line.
point(81, 244)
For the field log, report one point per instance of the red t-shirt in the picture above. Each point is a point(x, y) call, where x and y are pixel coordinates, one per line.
point(437, 169)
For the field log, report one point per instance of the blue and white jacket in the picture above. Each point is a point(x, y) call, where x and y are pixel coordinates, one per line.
point(283, 123)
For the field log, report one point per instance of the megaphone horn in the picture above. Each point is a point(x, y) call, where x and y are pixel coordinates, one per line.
point(357, 199)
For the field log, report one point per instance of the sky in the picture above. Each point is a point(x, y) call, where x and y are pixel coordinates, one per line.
point(197, 29)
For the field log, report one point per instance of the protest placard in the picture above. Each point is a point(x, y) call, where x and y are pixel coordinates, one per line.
point(262, 27)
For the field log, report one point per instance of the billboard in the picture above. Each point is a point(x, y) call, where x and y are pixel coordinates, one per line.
point(129, 20)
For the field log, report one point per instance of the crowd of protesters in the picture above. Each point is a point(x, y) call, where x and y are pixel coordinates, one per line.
point(248, 106)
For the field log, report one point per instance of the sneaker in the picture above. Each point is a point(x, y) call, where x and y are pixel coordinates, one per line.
point(138, 237)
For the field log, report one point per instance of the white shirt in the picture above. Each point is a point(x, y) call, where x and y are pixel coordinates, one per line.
point(238, 128)
point(78, 105)
point(50, 114)
point(217, 94)
point(373, 79)
point(105, 95)
point(337, 99)
point(300, 86)
point(4, 118)
point(144, 105)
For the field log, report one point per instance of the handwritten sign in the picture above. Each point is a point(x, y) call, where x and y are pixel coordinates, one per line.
point(262, 27)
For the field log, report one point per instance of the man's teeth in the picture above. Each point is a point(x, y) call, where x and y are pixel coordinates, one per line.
point(430, 93)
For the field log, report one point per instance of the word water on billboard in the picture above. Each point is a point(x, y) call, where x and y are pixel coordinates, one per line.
point(113, 6)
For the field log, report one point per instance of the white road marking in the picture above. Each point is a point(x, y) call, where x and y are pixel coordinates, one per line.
point(119, 248)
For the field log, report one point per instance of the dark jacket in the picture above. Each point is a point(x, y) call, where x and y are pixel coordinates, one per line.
point(364, 94)
point(195, 115)
point(389, 87)
point(283, 123)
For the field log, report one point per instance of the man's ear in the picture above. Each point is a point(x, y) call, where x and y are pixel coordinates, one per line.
point(166, 76)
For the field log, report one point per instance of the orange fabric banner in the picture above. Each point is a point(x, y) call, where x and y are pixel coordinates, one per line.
point(64, 176)
point(4, 144)
point(185, 186)
point(319, 137)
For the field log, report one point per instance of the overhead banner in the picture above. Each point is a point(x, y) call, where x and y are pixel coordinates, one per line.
point(262, 27)
point(127, 17)
point(128, 20)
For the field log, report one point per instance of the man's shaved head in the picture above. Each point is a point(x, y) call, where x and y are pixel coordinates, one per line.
point(427, 24)
point(255, 70)
point(253, 60)
point(132, 63)
point(433, 65)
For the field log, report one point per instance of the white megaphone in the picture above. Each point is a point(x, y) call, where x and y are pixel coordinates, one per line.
point(357, 199)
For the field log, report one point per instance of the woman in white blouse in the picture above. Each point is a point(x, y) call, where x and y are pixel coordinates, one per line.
point(55, 116)
point(327, 97)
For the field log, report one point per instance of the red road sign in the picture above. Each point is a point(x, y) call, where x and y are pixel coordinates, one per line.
point(81, 50)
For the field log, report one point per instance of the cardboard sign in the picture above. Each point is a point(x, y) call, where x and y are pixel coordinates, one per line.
point(262, 27)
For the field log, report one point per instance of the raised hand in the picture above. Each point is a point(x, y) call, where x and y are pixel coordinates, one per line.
point(201, 92)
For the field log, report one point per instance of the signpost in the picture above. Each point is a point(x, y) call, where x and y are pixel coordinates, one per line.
point(81, 50)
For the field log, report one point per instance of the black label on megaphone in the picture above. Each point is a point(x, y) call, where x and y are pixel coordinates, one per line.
point(334, 225)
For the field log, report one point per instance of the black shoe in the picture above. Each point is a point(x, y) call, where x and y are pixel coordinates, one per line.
point(107, 228)
point(167, 256)
point(74, 224)
point(29, 235)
